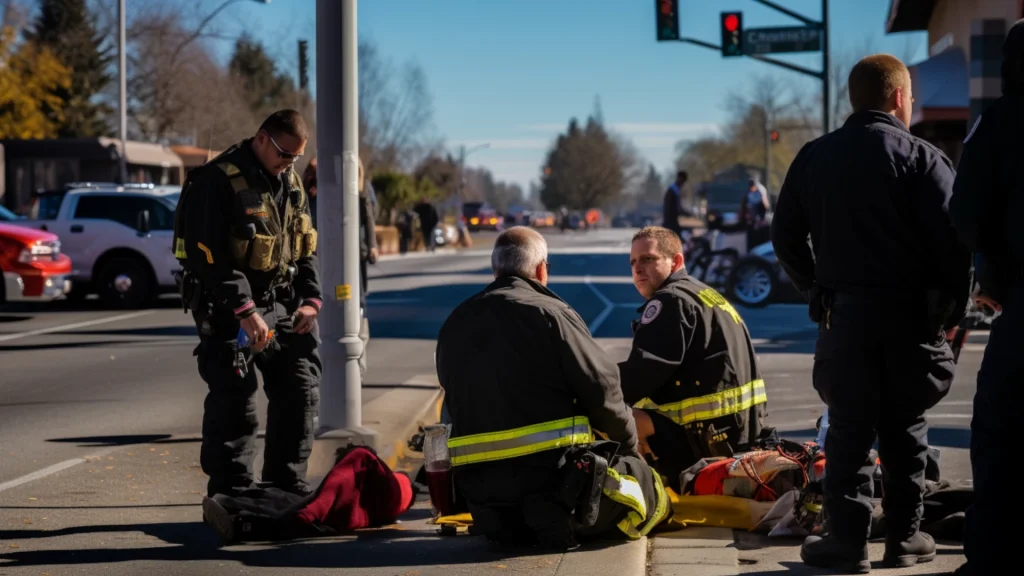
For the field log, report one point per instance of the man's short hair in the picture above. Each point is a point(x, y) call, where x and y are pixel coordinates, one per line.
point(518, 251)
point(669, 243)
point(286, 122)
point(874, 79)
point(682, 175)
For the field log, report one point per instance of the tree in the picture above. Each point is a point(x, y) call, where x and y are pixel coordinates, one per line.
point(442, 172)
point(396, 111)
point(29, 77)
point(68, 30)
point(263, 87)
point(586, 168)
point(397, 190)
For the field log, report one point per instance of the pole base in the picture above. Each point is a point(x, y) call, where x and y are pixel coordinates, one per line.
point(326, 446)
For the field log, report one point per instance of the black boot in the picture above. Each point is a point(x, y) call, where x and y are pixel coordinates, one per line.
point(848, 556)
point(216, 517)
point(903, 552)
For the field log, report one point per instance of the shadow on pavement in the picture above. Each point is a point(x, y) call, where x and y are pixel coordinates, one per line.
point(70, 345)
point(364, 549)
point(597, 265)
point(189, 330)
point(29, 533)
point(126, 440)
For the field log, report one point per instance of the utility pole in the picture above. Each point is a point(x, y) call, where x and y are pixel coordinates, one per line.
point(767, 150)
point(826, 76)
point(337, 108)
point(122, 105)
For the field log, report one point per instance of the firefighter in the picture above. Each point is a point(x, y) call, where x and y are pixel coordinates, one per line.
point(247, 246)
point(872, 197)
point(527, 388)
point(692, 370)
point(986, 210)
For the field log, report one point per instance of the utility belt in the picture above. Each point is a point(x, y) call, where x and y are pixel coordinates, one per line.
point(196, 297)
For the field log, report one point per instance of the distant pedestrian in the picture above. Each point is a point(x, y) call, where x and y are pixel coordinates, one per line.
point(309, 183)
point(673, 204)
point(428, 221)
point(872, 197)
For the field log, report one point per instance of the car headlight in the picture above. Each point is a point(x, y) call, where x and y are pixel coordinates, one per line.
point(40, 250)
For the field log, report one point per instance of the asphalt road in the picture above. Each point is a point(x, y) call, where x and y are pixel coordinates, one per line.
point(73, 379)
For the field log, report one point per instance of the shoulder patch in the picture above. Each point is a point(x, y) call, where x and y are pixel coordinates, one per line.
point(229, 169)
point(651, 312)
point(973, 128)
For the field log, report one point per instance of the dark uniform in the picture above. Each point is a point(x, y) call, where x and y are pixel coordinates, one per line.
point(247, 245)
point(693, 359)
point(517, 360)
point(987, 209)
point(886, 277)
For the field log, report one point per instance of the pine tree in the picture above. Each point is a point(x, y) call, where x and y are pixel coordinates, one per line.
point(68, 30)
point(263, 86)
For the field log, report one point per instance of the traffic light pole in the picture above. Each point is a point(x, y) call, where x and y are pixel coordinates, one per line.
point(822, 75)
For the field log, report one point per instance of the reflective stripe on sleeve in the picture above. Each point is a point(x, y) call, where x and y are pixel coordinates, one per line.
point(491, 446)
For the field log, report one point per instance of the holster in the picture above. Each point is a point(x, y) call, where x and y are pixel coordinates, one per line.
point(583, 471)
point(818, 304)
point(191, 291)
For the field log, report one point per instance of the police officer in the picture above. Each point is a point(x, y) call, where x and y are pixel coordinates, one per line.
point(987, 210)
point(246, 243)
point(873, 199)
point(672, 205)
point(526, 387)
point(692, 358)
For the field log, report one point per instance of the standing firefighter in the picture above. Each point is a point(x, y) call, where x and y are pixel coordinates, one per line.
point(986, 207)
point(246, 242)
point(872, 197)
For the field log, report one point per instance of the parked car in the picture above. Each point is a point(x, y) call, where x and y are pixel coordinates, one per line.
point(34, 269)
point(118, 238)
point(758, 279)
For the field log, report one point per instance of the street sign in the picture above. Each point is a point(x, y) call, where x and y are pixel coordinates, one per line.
point(782, 39)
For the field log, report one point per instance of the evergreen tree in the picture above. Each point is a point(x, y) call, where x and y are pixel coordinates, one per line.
point(68, 30)
point(263, 87)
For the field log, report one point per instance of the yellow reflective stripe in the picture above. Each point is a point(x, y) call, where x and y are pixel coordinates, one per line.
point(522, 441)
point(179, 249)
point(716, 405)
point(629, 524)
point(625, 490)
point(661, 509)
point(209, 255)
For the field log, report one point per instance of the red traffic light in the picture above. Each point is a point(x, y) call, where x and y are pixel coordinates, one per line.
point(732, 23)
point(775, 135)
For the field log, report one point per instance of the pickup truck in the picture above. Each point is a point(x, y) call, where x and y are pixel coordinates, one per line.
point(117, 236)
point(32, 266)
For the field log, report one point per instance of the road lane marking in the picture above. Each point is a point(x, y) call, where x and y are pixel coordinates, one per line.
point(58, 467)
point(61, 328)
point(609, 306)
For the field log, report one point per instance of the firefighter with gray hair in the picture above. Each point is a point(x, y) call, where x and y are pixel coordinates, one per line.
point(527, 389)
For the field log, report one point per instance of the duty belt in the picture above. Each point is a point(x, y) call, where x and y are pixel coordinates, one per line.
point(490, 446)
point(715, 405)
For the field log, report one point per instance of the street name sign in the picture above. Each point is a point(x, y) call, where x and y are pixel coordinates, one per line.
point(782, 39)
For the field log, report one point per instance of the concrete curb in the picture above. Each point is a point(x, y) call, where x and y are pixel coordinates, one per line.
point(697, 551)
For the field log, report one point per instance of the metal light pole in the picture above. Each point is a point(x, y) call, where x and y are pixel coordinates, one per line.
point(826, 76)
point(122, 89)
point(462, 166)
point(337, 108)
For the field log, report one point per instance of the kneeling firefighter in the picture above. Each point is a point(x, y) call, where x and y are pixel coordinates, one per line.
point(526, 387)
point(243, 235)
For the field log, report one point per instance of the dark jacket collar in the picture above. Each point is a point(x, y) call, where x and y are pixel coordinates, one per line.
point(672, 279)
point(518, 282)
point(868, 117)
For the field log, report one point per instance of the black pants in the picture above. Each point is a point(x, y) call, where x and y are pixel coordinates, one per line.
point(988, 541)
point(878, 378)
point(672, 449)
point(291, 371)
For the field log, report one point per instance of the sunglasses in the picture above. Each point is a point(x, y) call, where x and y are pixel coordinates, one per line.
point(281, 153)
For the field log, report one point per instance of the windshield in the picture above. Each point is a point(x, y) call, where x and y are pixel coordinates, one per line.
point(172, 199)
point(6, 215)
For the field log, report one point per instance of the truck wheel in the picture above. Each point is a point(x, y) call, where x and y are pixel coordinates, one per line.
point(124, 283)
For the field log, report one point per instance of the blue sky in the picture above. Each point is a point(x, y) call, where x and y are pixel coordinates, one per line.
point(513, 72)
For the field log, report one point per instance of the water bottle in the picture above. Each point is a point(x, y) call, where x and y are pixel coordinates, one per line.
point(822, 429)
point(438, 465)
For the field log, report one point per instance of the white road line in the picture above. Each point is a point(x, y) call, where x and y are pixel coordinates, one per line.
point(609, 306)
point(63, 327)
point(53, 469)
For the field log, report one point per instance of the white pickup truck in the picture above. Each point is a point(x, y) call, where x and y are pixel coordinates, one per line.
point(118, 237)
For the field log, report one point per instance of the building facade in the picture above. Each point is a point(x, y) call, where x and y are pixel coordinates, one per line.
point(962, 73)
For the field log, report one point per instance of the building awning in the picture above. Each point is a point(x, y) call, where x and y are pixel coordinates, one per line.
point(909, 15)
point(145, 154)
point(941, 88)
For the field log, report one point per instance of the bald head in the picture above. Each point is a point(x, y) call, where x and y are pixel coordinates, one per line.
point(520, 251)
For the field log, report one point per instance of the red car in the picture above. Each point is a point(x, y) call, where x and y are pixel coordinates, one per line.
point(33, 267)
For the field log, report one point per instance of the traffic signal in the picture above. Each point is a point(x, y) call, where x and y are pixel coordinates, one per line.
point(732, 34)
point(775, 136)
point(303, 64)
point(667, 17)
